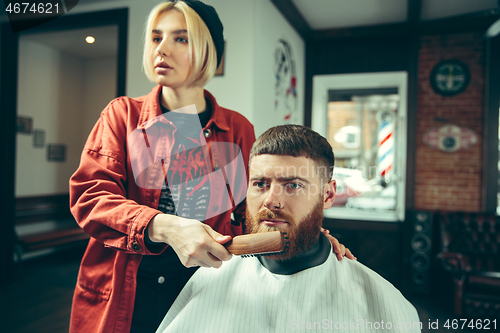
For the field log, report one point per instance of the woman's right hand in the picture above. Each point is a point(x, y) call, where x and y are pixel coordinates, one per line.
point(195, 243)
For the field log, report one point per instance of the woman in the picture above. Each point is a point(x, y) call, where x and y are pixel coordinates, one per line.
point(129, 277)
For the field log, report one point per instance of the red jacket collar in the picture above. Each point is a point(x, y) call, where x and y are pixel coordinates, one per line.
point(217, 115)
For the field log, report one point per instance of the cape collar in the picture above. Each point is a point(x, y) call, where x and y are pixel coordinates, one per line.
point(315, 256)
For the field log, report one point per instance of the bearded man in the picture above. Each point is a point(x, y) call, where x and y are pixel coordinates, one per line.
point(305, 288)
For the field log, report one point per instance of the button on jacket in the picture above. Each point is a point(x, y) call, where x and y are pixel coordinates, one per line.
point(112, 204)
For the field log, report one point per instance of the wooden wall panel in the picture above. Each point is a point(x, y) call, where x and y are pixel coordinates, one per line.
point(377, 245)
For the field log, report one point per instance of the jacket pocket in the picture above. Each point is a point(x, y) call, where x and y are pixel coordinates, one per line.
point(96, 271)
point(88, 313)
point(88, 292)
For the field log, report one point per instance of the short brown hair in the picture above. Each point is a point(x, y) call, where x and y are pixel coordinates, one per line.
point(297, 141)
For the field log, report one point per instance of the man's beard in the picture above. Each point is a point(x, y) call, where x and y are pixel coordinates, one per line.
point(301, 237)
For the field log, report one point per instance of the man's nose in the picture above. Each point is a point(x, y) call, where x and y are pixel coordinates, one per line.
point(274, 199)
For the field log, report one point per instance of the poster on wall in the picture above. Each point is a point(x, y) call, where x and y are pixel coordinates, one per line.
point(220, 69)
point(56, 153)
point(450, 138)
point(38, 138)
point(24, 125)
point(285, 88)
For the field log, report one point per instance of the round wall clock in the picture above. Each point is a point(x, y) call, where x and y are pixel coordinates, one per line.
point(450, 77)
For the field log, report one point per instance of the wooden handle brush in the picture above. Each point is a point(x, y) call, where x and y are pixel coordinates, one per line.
point(265, 243)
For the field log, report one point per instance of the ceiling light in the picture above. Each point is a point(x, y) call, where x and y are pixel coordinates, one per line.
point(90, 39)
point(493, 30)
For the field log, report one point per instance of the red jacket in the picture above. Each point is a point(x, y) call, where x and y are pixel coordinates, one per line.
point(109, 205)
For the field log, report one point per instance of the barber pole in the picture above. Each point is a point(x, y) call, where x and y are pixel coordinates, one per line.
point(386, 134)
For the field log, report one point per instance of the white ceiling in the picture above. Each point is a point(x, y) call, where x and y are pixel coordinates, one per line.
point(334, 14)
point(327, 14)
point(434, 9)
point(319, 14)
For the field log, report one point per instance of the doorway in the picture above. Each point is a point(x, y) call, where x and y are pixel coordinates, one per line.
point(46, 95)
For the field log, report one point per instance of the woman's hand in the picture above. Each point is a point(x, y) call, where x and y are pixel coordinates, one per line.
point(340, 250)
point(195, 243)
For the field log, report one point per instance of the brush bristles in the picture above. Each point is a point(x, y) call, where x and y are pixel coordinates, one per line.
point(266, 243)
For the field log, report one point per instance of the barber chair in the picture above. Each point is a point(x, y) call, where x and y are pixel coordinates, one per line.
point(470, 252)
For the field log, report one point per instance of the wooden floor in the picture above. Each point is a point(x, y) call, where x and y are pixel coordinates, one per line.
point(432, 312)
point(39, 300)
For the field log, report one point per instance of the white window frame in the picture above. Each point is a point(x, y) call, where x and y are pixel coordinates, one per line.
point(321, 85)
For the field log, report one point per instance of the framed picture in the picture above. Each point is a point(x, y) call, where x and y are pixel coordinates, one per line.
point(24, 125)
point(38, 138)
point(220, 69)
point(56, 153)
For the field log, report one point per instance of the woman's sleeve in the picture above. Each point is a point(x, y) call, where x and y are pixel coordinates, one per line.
point(98, 189)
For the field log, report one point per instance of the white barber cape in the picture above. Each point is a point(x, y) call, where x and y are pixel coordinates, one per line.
point(243, 296)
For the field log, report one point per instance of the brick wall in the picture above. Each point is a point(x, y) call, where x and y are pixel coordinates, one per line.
point(450, 181)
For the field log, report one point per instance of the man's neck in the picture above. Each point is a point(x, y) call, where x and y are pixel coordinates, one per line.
point(315, 256)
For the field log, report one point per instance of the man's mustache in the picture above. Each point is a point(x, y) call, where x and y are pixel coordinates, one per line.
point(266, 214)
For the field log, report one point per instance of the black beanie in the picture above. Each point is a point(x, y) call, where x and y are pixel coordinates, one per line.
point(211, 19)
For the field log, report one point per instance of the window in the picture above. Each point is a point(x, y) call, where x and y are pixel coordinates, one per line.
point(363, 116)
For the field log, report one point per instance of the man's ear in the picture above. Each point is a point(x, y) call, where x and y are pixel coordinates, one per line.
point(329, 194)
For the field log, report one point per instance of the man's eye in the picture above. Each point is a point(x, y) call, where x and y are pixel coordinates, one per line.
point(294, 186)
point(260, 184)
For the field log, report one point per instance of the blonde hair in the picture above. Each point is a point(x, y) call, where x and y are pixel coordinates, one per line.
point(202, 52)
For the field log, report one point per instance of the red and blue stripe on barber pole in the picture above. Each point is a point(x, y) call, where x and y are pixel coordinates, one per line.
point(386, 148)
